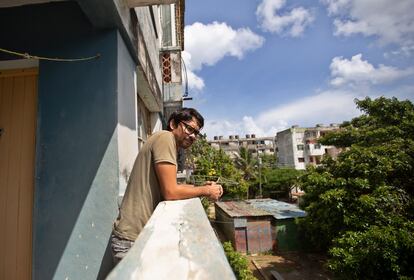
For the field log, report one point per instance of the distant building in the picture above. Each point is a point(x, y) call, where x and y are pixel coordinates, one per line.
point(255, 145)
point(298, 147)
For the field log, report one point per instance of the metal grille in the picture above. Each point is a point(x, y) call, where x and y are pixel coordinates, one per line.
point(166, 68)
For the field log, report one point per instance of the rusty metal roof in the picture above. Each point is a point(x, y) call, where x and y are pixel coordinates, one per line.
point(278, 209)
point(241, 209)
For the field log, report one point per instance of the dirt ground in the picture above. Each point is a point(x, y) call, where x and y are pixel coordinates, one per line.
point(291, 266)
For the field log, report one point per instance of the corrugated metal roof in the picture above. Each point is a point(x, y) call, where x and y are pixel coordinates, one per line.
point(278, 209)
point(241, 209)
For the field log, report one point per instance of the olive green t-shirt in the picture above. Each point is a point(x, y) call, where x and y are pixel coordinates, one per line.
point(143, 194)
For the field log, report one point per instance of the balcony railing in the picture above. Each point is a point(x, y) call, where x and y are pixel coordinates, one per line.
point(178, 242)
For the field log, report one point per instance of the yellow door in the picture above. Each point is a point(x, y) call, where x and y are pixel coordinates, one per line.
point(18, 113)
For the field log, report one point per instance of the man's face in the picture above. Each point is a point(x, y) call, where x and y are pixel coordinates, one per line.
point(186, 133)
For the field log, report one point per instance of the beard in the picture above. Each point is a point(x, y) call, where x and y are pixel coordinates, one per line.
point(186, 143)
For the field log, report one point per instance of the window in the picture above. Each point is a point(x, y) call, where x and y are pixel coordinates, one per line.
point(301, 159)
point(300, 147)
point(317, 146)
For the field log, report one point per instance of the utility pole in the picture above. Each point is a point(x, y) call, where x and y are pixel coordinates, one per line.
point(259, 161)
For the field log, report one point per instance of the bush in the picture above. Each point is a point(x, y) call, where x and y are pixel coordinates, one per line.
point(238, 263)
point(378, 253)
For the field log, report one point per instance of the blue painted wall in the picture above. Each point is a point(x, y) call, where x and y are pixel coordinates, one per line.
point(77, 146)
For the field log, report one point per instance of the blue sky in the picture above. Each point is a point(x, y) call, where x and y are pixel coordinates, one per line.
point(260, 66)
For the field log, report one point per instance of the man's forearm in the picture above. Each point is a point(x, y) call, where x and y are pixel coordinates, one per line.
point(185, 191)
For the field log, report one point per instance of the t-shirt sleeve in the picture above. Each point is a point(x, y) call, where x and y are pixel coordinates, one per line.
point(164, 149)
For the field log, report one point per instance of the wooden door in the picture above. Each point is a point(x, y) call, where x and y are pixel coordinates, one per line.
point(18, 113)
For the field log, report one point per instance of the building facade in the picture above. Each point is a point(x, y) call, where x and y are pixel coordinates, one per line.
point(255, 145)
point(81, 88)
point(298, 147)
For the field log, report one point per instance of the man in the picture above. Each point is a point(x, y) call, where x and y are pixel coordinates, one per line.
point(154, 179)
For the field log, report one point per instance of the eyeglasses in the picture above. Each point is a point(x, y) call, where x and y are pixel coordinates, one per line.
point(191, 130)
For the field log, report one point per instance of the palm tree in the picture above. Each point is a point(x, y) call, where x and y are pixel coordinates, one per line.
point(246, 163)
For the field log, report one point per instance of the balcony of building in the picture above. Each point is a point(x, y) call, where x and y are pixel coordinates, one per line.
point(314, 149)
point(178, 242)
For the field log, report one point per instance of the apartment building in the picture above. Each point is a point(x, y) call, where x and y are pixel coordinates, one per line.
point(298, 147)
point(255, 145)
point(83, 83)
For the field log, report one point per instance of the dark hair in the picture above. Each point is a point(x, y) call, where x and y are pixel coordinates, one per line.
point(185, 114)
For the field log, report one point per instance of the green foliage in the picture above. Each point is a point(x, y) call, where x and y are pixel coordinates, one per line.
point(247, 164)
point(274, 181)
point(383, 252)
point(360, 205)
point(238, 263)
point(210, 164)
point(279, 180)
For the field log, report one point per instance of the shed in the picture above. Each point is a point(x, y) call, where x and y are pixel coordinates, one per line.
point(248, 228)
point(284, 227)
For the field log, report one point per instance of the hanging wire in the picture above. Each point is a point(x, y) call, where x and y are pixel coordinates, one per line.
point(200, 179)
point(185, 79)
point(29, 56)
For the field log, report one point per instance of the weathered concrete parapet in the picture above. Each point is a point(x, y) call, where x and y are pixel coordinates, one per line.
point(178, 242)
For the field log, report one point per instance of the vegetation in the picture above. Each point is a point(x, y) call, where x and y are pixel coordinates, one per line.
point(245, 162)
point(238, 263)
point(209, 164)
point(360, 206)
point(278, 182)
point(240, 176)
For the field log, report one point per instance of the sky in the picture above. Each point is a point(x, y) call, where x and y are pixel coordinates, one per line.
point(261, 66)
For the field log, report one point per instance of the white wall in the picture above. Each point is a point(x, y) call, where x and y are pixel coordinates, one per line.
point(127, 115)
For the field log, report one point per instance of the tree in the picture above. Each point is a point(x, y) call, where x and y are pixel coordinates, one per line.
point(246, 163)
point(278, 182)
point(360, 206)
point(209, 164)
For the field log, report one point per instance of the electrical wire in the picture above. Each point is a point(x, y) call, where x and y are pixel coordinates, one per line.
point(29, 56)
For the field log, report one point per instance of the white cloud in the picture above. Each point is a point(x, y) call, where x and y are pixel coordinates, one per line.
point(357, 71)
point(326, 107)
point(226, 127)
point(292, 23)
point(390, 21)
point(330, 106)
point(335, 6)
point(206, 44)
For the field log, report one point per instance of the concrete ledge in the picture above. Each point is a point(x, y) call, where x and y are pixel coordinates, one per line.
point(178, 242)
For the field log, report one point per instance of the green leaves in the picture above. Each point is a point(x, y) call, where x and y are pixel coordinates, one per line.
point(238, 263)
point(279, 180)
point(360, 206)
point(210, 164)
point(378, 253)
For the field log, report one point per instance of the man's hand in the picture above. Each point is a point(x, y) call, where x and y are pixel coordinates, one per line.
point(215, 191)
